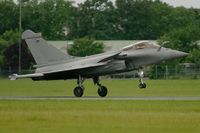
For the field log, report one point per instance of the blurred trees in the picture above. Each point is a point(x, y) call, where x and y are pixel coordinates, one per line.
point(9, 51)
point(8, 16)
point(8, 38)
point(11, 57)
point(85, 47)
point(100, 19)
point(94, 18)
point(49, 17)
point(104, 20)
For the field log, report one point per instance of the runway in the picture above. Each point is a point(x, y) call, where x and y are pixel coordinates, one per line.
point(134, 98)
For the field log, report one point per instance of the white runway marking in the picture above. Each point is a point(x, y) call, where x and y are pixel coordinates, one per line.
point(99, 98)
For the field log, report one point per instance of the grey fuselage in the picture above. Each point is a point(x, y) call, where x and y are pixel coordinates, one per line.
point(52, 64)
point(122, 61)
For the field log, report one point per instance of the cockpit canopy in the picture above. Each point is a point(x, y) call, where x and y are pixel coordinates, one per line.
point(141, 45)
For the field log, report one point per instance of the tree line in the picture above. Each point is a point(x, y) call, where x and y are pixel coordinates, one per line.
point(103, 20)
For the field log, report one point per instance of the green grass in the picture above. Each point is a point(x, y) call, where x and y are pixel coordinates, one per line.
point(115, 88)
point(83, 116)
point(99, 116)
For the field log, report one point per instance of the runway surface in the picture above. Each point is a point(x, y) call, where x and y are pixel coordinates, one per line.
point(99, 98)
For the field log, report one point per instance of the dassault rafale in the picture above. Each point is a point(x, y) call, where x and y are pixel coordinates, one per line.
point(52, 64)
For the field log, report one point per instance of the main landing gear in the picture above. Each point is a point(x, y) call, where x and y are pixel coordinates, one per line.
point(79, 90)
point(141, 85)
point(102, 90)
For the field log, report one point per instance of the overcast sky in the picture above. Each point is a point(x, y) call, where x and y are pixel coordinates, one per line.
point(185, 3)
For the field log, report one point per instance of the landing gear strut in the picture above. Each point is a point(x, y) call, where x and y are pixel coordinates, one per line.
point(102, 90)
point(141, 85)
point(79, 90)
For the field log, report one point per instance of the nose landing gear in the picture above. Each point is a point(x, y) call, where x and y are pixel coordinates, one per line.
point(141, 85)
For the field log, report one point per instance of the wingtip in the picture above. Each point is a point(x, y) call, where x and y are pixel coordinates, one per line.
point(13, 76)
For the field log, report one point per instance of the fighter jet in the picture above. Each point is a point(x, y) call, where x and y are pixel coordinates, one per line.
point(52, 64)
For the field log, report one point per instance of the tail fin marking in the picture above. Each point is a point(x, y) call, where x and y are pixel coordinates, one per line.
point(42, 52)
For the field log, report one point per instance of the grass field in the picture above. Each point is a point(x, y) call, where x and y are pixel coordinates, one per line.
point(99, 116)
point(115, 88)
point(105, 116)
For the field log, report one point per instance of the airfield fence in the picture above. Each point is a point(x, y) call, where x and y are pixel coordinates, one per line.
point(165, 72)
point(158, 72)
point(175, 72)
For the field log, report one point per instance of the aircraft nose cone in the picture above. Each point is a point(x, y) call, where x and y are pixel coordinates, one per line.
point(177, 54)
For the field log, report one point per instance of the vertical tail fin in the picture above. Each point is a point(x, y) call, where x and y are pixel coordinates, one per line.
point(42, 52)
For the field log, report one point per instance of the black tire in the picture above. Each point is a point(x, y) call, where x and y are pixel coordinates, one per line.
point(102, 91)
point(78, 91)
point(142, 86)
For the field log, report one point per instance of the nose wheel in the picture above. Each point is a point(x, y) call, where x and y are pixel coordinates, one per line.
point(141, 85)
